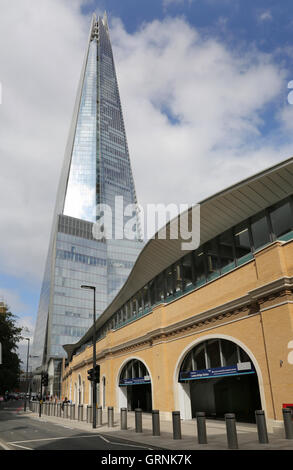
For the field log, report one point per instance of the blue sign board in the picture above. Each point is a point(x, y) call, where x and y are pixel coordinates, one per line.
point(135, 381)
point(237, 369)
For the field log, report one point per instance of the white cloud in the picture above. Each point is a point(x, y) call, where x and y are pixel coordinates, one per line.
point(42, 45)
point(192, 109)
point(216, 98)
point(265, 16)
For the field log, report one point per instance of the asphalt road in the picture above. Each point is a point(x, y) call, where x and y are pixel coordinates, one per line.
point(18, 432)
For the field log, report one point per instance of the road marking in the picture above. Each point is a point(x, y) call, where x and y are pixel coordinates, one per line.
point(53, 439)
point(104, 439)
point(17, 443)
point(120, 443)
point(21, 447)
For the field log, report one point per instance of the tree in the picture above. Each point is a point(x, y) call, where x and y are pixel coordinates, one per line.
point(10, 335)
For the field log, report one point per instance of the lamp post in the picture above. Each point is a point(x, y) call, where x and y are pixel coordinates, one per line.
point(27, 383)
point(94, 357)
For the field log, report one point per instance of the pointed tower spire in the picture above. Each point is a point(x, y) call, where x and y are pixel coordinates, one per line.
point(96, 169)
point(105, 21)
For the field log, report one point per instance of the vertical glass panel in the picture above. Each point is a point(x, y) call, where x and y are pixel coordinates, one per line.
point(200, 357)
point(128, 309)
point(178, 278)
point(200, 268)
point(80, 199)
point(187, 270)
point(229, 353)
point(281, 218)
point(152, 292)
point(213, 353)
point(187, 366)
point(146, 296)
point(139, 301)
point(226, 252)
point(243, 356)
point(260, 231)
point(242, 243)
point(160, 290)
point(211, 250)
point(134, 307)
point(170, 281)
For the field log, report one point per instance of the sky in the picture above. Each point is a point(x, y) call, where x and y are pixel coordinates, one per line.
point(204, 92)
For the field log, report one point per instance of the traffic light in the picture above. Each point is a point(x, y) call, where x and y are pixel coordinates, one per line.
point(97, 375)
point(90, 374)
point(94, 376)
point(45, 379)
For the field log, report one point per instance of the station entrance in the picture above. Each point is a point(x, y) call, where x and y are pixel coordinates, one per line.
point(220, 378)
point(135, 386)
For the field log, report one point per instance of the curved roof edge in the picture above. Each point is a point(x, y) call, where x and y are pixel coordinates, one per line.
point(218, 213)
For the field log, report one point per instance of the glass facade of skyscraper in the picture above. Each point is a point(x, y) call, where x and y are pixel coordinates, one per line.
point(96, 170)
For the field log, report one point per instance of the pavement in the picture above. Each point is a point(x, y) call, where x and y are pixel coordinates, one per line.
point(247, 435)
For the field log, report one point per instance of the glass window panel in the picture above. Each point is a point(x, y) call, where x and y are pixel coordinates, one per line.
point(242, 242)
point(226, 251)
point(160, 290)
point(229, 353)
point(152, 292)
point(213, 353)
point(187, 270)
point(243, 356)
point(178, 277)
point(200, 268)
point(146, 296)
point(139, 300)
point(281, 218)
point(187, 366)
point(211, 250)
point(170, 281)
point(260, 231)
point(200, 357)
point(134, 306)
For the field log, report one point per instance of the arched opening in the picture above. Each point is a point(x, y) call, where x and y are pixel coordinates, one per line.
point(135, 386)
point(217, 376)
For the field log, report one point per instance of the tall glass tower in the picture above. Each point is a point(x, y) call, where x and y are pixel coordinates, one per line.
point(96, 172)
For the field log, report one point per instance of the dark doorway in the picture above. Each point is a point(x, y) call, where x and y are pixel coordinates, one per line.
point(234, 394)
point(139, 396)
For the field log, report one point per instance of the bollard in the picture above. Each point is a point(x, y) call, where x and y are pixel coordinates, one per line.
point(156, 422)
point(201, 428)
point(231, 431)
point(59, 410)
point(80, 412)
point(40, 409)
point(65, 410)
point(100, 416)
point(49, 409)
point(261, 427)
point(110, 416)
point(72, 411)
point(287, 417)
point(89, 414)
point(138, 420)
point(176, 425)
point(123, 418)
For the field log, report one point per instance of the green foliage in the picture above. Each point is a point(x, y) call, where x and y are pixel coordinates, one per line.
point(10, 335)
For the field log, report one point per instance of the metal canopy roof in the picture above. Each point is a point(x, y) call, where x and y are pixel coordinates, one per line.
point(218, 213)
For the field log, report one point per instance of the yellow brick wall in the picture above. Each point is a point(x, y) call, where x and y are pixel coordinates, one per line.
point(264, 335)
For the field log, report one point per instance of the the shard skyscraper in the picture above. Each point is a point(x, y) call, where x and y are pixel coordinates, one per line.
point(96, 170)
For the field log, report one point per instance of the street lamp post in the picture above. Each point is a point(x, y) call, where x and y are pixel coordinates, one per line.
point(27, 382)
point(94, 357)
